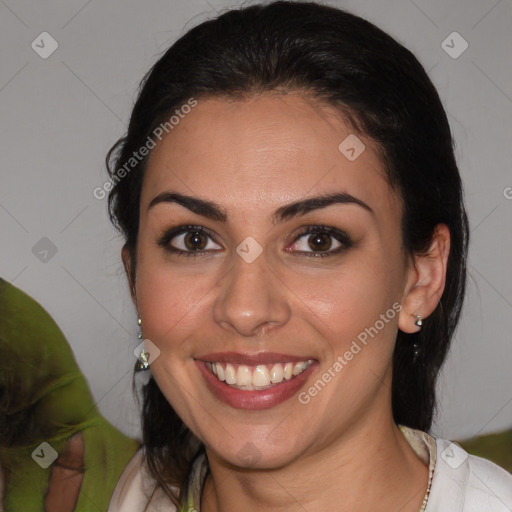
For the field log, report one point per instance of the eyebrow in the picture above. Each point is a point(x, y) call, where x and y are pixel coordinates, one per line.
point(214, 211)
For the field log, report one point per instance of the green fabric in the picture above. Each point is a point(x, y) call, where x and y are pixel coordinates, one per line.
point(45, 397)
point(495, 447)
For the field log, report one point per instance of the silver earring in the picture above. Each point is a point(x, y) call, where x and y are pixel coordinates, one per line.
point(142, 363)
point(416, 350)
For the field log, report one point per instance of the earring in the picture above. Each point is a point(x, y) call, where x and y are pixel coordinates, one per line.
point(142, 363)
point(416, 346)
point(418, 321)
point(415, 351)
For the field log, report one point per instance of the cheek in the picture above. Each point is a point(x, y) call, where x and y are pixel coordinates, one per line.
point(350, 298)
point(352, 310)
point(170, 303)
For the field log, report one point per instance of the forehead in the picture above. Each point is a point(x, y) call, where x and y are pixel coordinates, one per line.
point(265, 151)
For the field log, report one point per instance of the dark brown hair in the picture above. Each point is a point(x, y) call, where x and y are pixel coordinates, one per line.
point(384, 92)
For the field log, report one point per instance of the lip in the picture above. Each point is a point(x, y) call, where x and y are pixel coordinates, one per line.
point(251, 359)
point(257, 399)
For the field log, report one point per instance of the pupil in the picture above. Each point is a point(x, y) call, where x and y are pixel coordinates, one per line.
point(321, 241)
point(193, 241)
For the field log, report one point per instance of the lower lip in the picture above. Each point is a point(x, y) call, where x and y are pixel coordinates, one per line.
point(256, 399)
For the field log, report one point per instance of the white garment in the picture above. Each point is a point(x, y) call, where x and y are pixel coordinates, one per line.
point(460, 482)
point(467, 483)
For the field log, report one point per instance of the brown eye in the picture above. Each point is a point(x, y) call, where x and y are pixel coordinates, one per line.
point(188, 241)
point(195, 241)
point(320, 242)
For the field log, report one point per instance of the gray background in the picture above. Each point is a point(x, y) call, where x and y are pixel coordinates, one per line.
point(60, 115)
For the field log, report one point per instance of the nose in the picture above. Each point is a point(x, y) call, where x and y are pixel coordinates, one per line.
point(252, 299)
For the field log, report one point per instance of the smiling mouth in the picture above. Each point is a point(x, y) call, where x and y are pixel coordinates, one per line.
point(259, 377)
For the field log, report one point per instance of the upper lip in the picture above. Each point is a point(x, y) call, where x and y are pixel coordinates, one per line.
point(251, 359)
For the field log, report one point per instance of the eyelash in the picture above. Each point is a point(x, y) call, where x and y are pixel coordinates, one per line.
point(340, 236)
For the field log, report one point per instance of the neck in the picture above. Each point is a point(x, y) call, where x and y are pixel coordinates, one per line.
point(365, 467)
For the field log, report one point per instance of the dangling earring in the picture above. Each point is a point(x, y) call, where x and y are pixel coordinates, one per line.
point(142, 363)
point(416, 346)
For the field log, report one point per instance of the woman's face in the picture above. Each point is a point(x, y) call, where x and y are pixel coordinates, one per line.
point(272, 277)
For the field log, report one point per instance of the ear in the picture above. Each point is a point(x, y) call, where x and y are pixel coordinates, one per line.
point(129, 269)
point(426, 281)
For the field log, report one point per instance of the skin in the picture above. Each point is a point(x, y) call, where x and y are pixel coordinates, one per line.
point(251, 157)
point(66, 477)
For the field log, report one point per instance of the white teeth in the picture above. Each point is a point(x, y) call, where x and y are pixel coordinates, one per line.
point(243, 376)
point(219, 371)
point(260, 377)
point(298, 368)
point(230, 374)
point(277, 373)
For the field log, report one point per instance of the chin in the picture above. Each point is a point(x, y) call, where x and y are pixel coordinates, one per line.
point(251, 457)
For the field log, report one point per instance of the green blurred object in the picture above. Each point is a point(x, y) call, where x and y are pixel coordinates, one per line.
point(44, 397)
point(495, 447)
